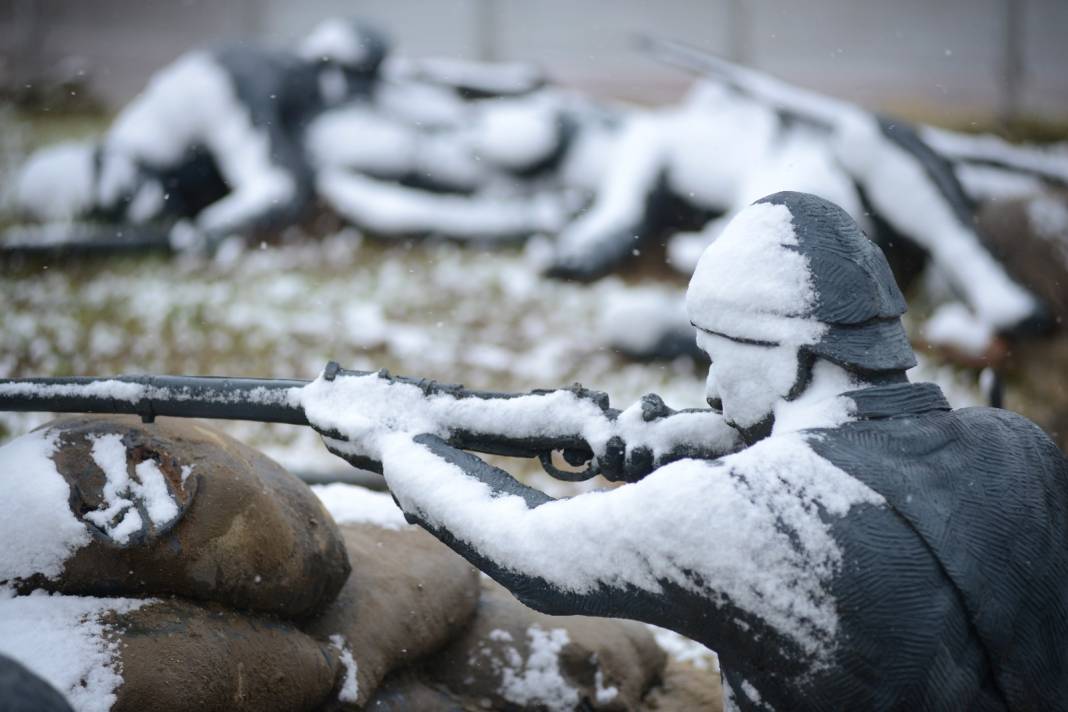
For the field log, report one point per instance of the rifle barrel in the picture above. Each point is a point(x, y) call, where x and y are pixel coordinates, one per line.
point(263, 400)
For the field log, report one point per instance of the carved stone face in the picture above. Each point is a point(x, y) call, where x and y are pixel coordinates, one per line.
point(746, 381)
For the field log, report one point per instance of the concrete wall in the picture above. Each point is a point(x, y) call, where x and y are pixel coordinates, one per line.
point(943, 59)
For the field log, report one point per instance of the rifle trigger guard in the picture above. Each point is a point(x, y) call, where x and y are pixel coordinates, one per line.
point(545, 457)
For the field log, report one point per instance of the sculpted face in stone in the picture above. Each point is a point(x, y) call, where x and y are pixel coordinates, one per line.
point(746, 381)
point(789, 282)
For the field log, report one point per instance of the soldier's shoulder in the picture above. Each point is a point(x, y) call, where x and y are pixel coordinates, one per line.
point(988, 421)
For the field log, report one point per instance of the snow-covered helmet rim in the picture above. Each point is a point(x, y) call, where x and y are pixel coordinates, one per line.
point(354, 44)
point(795, 269)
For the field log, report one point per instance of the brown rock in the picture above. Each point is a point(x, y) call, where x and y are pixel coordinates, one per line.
point(685, 689)
point(177, 655)
point(409, 596)
point(243, 531)
point(512, 657)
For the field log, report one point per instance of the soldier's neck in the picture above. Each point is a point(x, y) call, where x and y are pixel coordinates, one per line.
point(821, 404)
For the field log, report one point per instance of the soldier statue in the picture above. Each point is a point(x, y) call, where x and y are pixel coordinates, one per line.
point(859, 545)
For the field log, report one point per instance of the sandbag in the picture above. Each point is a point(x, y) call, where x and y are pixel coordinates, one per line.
point(176, 655)
point(512, 657)
point(175, 507)
point(113, 654)
point(409, 595)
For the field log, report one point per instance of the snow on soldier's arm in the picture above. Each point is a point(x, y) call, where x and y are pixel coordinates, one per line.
point(711, 549)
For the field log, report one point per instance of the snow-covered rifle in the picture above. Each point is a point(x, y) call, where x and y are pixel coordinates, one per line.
point(576, 422)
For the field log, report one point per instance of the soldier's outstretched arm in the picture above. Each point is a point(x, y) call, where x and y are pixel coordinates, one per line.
point(732, 552)
point(352, 409)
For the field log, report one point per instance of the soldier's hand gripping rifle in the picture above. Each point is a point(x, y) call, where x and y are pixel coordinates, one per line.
point(344, 405)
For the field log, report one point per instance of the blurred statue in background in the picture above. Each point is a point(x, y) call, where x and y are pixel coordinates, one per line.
point(245, 138)
point(741, 134)
point(214, 138)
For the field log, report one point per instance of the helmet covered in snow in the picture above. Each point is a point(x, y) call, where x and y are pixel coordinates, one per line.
point(356, 45)
point(795, 269)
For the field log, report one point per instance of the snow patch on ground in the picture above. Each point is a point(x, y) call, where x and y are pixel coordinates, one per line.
point(64, 640)
point(350, 504)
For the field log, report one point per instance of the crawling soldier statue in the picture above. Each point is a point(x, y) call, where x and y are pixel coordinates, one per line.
point(869, 548)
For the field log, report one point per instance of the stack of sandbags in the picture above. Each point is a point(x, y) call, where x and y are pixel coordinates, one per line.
point(506, 656)
point(168, 567)
point(164, 566)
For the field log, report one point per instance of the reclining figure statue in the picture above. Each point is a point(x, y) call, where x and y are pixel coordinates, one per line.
point(840, 536)
point(215, 137)
point(243, 138)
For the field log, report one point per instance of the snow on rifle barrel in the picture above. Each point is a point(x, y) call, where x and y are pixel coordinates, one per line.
point(575, 421)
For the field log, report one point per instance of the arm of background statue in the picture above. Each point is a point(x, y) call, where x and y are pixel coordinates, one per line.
point(609, 231)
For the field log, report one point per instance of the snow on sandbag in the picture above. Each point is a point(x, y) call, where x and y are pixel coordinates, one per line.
point(122, 654)
point(67, 641)
point(107, 505)
point(408, 595)
point(511, 656)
